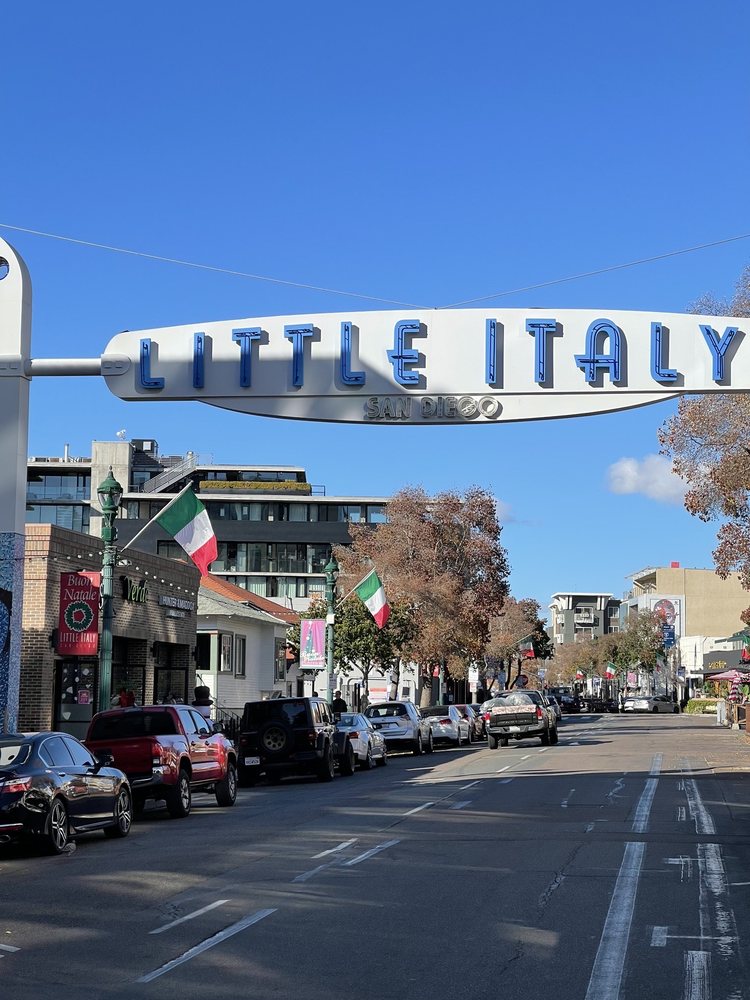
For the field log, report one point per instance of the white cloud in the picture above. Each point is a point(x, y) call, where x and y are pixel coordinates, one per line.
point(652, 476)
point(504, 512)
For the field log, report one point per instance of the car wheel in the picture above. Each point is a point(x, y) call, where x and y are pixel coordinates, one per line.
point(58, 828)
point(274, 738)
point(123, 815)
point(553, 737)
point(347, 762)
point(179, 799)
point(503, 741)
point(382, 761)
point(226, 789)
point(545, 738)
point(430, 744)
point(326, 770)
point(367, 762)
point(655, 709)
point(492, 741)
point(418, 745)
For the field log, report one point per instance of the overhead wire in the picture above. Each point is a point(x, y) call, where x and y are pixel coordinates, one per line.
point(375, 298)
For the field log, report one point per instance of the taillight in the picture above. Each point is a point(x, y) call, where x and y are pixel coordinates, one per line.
point(312, 736)
point(12, 785)
point(156, 752)
point(539, 712)
point(444, 722)
point(354, 736)
point(486, 716)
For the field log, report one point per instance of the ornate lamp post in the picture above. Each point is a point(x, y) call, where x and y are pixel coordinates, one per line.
point(110, 495)
point(331, 572)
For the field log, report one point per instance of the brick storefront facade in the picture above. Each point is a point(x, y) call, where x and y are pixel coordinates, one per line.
point(154, 630)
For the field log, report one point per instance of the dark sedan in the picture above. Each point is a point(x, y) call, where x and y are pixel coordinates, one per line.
point(52, 788)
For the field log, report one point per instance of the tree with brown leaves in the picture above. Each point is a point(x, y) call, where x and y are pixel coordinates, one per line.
point(708, 440)
point(442, 555)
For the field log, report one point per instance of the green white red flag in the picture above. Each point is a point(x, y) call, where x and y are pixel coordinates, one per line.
point(187, 521)
point(610, 671)
point(370, 591)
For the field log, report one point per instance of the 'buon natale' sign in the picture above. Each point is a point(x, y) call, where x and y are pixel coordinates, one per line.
point(434, 366)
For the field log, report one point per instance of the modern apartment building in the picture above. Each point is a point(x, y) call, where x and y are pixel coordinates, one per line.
point(274, 529)
point(578, 616)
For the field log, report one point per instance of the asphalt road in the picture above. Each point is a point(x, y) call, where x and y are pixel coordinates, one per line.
point(614, 865)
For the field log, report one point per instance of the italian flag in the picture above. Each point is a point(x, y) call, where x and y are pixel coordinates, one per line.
point(186, 520)
point(610, 671)
point(370, 592)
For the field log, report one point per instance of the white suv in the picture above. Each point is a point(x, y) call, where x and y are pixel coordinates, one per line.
point(402, 725)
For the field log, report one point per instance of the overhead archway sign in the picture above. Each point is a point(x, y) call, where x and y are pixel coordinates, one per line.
point(461, 366)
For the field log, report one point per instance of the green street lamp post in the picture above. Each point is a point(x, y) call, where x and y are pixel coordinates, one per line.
point(331, 572)
point(110, 495)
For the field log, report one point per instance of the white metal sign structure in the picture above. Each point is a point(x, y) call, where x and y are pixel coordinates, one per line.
point(427, 367)
point(436, 366)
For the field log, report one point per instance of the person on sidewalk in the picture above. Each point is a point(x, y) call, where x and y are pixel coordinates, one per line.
point(338, 705)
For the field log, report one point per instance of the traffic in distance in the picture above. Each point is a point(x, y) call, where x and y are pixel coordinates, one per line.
point(54, 787)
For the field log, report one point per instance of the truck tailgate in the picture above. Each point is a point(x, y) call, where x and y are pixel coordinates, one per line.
point(512, 715)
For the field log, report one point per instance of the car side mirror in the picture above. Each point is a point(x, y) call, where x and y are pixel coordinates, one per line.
point(204, 732)
point(103, 759)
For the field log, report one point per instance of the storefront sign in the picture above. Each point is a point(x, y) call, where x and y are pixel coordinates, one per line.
point(170, 601)
point(135, 593)
point(439, 366)
point(78, 621)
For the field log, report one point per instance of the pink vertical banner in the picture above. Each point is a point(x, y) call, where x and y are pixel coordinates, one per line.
point(312, 644)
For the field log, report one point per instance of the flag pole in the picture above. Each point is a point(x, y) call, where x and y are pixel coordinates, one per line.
point(166, 507)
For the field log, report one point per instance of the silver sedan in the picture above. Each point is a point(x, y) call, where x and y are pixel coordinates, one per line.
point(368, 743)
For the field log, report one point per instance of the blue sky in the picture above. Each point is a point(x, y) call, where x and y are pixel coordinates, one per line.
point(403, 151)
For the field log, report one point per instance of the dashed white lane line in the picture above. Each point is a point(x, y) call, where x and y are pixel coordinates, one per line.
point(505, 781)
point(425, 805)
point(703, 820)
point(335, 850)
point(189, 916)
point(370, 853)
point(697, 975)
point(564, 803)
point(211, 942)
point(656, 764)
point(470, 785)
point(9, 948)
point(461, 805)
point(305, 876)
point(506, 768)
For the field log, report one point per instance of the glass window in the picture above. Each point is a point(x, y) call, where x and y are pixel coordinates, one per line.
point(225, 652)
point(81, 756)
point(188, 720)
point(298, 511)
point(170, 550)
point(376, 513)
point(125, 725)
point(55, 753)
point(240, 643)
point(317, 557)
point(71, 516)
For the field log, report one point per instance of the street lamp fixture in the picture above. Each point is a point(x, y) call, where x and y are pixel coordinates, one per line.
point(110, 495)
point(331, 572)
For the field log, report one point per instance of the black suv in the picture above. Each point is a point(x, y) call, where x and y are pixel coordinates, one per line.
point(291, 736)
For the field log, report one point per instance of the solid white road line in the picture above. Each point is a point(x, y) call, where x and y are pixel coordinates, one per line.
point(211, 942)
point(189, 916)
point(703, 820)
point(606, 975)
point(419, 808)
point(370, 853)
point(640, 823)
point(334, 850)
point(697, 975)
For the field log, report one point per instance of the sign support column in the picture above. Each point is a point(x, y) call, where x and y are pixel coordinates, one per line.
point(15, 354)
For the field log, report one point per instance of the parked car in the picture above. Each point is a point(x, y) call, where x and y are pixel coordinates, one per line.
point(477, 708)
point(402, 725)
point(519, 715)
point(555, 706)
point(649, 703)
point(369, 744)
point(168, 752)
point(292, 736)
point(476, 721)
point(53, 788)
point(448, 724)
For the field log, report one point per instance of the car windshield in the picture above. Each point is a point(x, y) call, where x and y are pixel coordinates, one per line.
point(436, 710)
point(385, 711)
point(293, 713)
point(13, 752)
point(129, 724)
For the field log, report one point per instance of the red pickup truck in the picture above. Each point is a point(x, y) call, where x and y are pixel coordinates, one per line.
point(168, 752)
